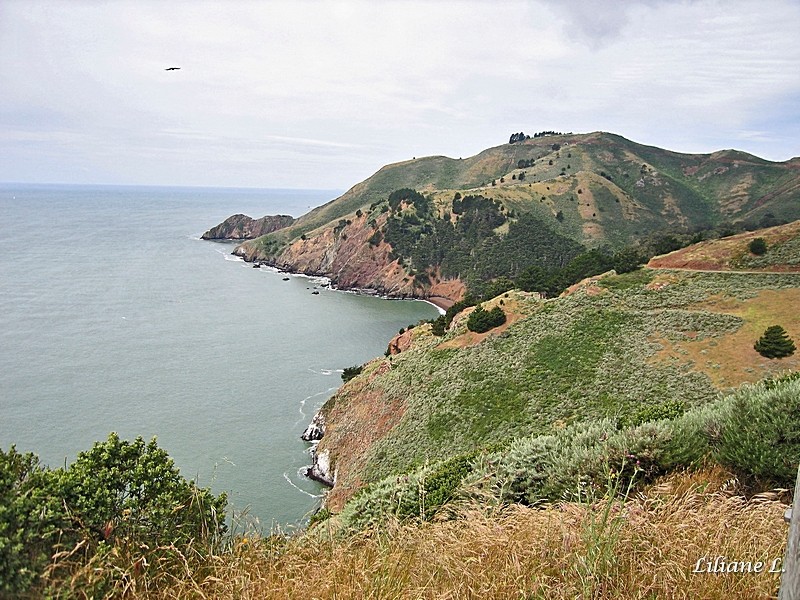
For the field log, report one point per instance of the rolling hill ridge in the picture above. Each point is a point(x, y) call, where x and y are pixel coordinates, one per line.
point(570, 193)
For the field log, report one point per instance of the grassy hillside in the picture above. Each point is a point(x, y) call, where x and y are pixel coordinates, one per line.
point(543, 202)
point(640, 188)
point(781, 252)
point(611, 349)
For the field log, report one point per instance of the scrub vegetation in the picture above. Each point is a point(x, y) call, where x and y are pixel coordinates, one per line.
point(614, 349)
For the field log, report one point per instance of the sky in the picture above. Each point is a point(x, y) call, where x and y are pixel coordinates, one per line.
point(321, 94)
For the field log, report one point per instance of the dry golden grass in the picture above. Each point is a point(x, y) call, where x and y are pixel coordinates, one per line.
point(646, 548)
point(722, 254)
point(731, 360)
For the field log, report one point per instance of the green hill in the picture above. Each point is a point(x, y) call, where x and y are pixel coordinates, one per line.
point(616, 347)
point(540, 201)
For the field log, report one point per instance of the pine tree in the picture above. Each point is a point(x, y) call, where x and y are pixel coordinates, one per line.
point(775, 343)
point(758, 246)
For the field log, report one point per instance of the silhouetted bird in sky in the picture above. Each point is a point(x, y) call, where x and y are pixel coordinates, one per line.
point(172, 69)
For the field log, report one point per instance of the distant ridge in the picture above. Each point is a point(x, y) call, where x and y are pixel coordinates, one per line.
point(598, 190)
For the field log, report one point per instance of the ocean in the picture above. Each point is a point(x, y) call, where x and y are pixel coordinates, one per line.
point(115, 316)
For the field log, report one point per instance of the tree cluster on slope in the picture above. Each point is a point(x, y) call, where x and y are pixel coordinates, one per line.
point(481, 320)
point(530, 255)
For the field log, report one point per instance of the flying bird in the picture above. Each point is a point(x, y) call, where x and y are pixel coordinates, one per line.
point(172, 69)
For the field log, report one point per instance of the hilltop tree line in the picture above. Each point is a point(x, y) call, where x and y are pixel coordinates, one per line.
point(521, 137)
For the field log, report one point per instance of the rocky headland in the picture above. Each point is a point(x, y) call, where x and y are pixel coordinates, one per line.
point(241, 227)
point(536, 201)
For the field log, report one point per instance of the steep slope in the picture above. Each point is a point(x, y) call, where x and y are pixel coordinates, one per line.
point(597, 190)
point(611, 348)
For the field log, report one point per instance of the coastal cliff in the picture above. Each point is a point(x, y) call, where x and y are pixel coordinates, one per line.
point(241, 227)
point(353, 259)
point(626, 347)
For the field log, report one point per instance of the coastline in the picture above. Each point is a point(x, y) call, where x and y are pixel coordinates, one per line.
point(441, 303)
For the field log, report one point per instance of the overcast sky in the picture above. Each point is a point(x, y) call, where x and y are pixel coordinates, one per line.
point(322, 94)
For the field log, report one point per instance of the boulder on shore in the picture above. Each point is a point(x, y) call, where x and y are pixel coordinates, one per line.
point(315, 430)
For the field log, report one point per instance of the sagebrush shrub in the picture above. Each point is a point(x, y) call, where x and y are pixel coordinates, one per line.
point(760, 437)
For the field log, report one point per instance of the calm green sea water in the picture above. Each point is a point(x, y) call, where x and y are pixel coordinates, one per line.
point(115, 316)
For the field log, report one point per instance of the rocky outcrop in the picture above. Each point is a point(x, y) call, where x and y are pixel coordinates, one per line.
point(241, 227)
point(401, 342)
point(315, 430)
point(320, 469)
point(356, 417)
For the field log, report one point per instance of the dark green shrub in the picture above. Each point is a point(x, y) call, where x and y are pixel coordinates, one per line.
point(440, 486)
point(481, 320)
point(758, 246)
point(322, 515)
point(351, 372)
point(668, 410)
point(136, 487)
point(775, 343)
point(31, 517)
point(439, 326)
point(760, 437)
point(772, 383)
point(456, 308)
point(627, 260)
point(119, 494)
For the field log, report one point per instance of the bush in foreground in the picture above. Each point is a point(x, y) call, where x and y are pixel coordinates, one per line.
point(752, 432)
point(645, 548)
point(118, 501)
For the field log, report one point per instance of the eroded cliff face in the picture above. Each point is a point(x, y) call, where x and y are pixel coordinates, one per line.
point(352, 259)
point(242, 227)
point(355, 418)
